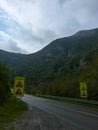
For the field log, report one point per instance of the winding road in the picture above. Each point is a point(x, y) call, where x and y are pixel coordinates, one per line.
point(83, 118)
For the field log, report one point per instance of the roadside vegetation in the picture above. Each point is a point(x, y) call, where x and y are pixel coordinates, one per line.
point(4, 83)
point(10, 107)
point(9, 111)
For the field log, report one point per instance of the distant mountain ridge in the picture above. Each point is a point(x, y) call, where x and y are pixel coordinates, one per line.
point(87, 32)
point(59, 60)
point(61, 45)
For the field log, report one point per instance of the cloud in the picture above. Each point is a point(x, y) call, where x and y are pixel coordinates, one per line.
point(84, 14)
point(9, 44)
point(13, 46)
point(32, 24)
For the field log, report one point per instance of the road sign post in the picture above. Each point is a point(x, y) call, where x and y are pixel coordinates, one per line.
point(83, 90)
point(19, 86)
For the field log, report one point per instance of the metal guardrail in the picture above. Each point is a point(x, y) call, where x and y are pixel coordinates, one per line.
point(73, 99)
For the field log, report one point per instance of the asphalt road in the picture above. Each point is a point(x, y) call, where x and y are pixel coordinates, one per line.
point(82, 117)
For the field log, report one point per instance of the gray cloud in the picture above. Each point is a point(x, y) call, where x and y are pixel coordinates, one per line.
point(31, 25)
point(29, 36)
point(62, 1)
point(13, 46)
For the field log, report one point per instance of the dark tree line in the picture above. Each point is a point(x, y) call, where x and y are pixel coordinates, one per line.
point(66, 81)
point(4, 83)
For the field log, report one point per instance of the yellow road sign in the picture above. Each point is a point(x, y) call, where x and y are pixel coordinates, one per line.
point(19, 86)
point(83, 90)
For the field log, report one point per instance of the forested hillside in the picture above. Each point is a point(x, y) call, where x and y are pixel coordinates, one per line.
point(59, 68)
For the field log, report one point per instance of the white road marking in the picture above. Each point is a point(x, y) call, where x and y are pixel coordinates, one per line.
point(86, 113)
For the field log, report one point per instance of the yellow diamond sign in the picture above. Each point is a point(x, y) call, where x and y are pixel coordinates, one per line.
point(19, 86)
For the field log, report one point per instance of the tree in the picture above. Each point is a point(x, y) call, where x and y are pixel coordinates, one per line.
point(4, 82)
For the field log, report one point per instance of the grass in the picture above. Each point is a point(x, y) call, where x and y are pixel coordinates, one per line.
point(10, 110)
point(72, 102)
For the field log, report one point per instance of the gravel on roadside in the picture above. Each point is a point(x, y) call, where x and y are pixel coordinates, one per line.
point(36, 119)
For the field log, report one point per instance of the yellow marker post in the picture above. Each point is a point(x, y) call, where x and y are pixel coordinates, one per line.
point(83, 90)
point(19, 86)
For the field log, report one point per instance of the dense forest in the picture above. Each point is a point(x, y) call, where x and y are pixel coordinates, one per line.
point(4, 83)
point(59, 68)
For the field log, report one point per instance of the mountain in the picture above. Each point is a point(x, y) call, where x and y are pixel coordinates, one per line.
point(58, 68)
point(11, 58)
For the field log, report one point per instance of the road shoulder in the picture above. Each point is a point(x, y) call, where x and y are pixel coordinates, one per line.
point(36, 119)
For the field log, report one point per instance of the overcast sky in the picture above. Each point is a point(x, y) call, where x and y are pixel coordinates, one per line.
point(27, 26)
